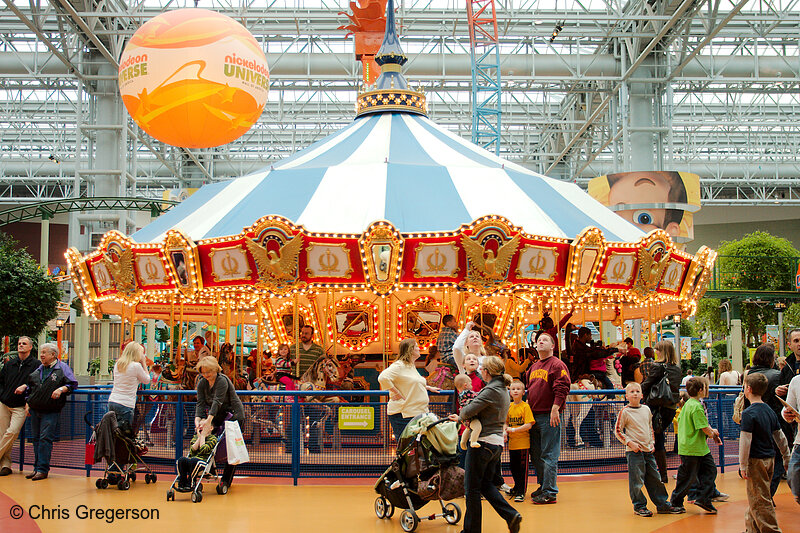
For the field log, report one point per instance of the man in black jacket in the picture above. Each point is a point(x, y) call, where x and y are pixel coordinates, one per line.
point(46, 394)
point(12, 405)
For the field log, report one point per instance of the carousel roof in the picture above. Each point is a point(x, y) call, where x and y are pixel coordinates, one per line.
point(397, 167)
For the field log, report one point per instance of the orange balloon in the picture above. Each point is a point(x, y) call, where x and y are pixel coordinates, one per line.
point(194, 78)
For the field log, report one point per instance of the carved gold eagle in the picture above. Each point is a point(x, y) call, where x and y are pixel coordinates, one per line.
point(485, 262)
point(277, 265)
point(650, 270)
point(121, 270)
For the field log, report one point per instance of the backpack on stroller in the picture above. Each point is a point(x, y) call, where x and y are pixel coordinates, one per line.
point(122, 451)
point(425, 469)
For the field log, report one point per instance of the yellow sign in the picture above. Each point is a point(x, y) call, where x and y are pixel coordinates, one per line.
point(362, 418)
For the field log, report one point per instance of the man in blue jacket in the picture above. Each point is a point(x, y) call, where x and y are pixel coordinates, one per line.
point(46, 394)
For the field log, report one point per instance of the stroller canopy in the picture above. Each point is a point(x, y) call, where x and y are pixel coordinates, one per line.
point(442, 437)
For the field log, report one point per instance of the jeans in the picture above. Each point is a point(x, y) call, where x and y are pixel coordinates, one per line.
point(43, 427)
point(479, 480)
point(701, 468)
point(793, 473)
point(642, 471)
point(123, 412)
point(545, 450)
point(398, 423)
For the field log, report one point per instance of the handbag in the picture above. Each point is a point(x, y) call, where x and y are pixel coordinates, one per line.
point(234, 443)
point(660, 394)
point(89, 454)
point(446, 484)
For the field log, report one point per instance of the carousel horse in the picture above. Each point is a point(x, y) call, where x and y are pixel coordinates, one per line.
point(323, 374)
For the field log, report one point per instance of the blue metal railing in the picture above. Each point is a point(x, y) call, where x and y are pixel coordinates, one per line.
point(288, 436)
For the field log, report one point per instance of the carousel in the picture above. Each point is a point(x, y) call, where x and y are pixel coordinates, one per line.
point(374, 233)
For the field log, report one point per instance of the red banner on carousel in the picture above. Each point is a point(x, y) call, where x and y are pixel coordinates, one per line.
point(540, 263)
point(225, 264)
point(331, 261)
point(674, 275)
point(433, 260)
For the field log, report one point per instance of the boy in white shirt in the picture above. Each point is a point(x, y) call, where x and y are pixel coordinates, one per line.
point(634, 429)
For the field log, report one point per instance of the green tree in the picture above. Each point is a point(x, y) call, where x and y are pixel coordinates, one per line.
point(709, 318)
point(757, 262)
point(28, 294)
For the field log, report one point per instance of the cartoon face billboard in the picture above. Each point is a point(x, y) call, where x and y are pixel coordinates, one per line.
point(652, 199)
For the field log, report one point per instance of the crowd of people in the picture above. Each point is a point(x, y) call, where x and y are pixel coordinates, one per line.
point(501, 399)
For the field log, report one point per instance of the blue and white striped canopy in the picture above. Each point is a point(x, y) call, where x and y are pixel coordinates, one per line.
point(397, 167)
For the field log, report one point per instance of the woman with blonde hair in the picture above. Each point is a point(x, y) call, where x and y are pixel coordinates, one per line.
point(130, 370)
point(216, 400)
point(490, 407)
point(408, 390)
point(667, 364)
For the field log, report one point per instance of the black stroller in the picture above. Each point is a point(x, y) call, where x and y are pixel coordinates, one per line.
point(201, 471)
point(425, 469)
point(121, 450)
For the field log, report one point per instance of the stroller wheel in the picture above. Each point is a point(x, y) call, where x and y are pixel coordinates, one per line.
point(380, 507)
point(124, 485)
point(389, 509)
point(171, 495)
point(409, 521)
point(222, 488)
point(101, 483)
point(132, 476)
point(197, 497)
point(452, 513)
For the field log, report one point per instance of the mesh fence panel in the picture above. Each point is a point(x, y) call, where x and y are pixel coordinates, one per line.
point(288, 435)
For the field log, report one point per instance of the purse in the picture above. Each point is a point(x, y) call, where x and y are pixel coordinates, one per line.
point(660, 394)
point(738, 407)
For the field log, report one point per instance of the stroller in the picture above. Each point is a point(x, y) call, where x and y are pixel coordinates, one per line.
point(121, 450)
point(425, 469)
point(199, 472)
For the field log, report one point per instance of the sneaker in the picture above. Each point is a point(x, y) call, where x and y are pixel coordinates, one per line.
point(677, 509)
point(706, 506)
point(519, 498)
point(671, 510)
point(543, 499)
point(721, 497)
point(644, 511)
point(513, 525)
point(536, 493)
point(505, 487)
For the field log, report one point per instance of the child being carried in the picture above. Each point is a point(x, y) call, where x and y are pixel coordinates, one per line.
point(463, 385)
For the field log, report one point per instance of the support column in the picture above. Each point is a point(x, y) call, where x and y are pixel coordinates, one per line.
point(77, 343)
point(637, 334)
point(44, 258)
point(105, 339)
point(735, 345)
point(150, 343)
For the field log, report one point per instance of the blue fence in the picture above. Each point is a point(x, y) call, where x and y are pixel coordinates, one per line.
point(289, 436)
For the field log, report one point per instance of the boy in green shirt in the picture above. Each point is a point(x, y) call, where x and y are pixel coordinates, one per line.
point(696, 460)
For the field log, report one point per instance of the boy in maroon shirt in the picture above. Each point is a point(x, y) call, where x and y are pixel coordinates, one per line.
point(548, 386)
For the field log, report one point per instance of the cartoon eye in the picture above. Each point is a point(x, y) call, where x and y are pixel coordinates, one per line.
point(642, 217)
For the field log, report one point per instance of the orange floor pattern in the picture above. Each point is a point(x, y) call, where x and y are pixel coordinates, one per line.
point(595, 504)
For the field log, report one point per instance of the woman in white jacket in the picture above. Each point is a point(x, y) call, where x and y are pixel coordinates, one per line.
point(129, 371)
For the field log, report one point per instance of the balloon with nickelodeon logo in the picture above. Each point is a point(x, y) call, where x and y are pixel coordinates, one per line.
point(194, 78)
